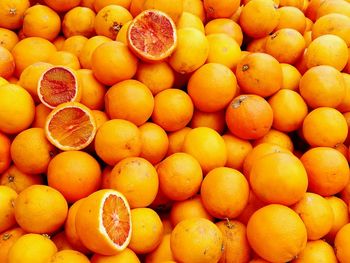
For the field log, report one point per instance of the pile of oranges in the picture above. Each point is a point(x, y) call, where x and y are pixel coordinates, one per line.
point(158, 131)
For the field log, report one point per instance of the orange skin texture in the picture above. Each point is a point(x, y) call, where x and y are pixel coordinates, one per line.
point(162, 252)
point(9, 20)
point(99, 4)
point(79, 21)
point(41, 113)
point(7, 218)
point(344, 106)
point(249, 116)
point(127, 255)
point(276, 137)
point(7, 63)
point(5, 155)
point(61, 241)
point(176, 140)
point(341, 242)
point(62, 5)
point(213, 120)
point(231, 189)
point(316, 251)
point(74, 44)
point(85, 56)
point(174, 8)
point(220, 9)
point(226, 26)
point(291, 17)
point(7, 239)
point(69, 255)
point(252, 72)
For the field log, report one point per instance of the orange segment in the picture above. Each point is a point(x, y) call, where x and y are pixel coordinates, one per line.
point(103, 222)
point(152, 35)
point(58, 85)
point(70, 126)
point(116, 219)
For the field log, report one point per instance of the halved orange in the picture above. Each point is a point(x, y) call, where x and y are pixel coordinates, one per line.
point(103, 222)
point(152, 35)
point(58, 85)
point(70, 126)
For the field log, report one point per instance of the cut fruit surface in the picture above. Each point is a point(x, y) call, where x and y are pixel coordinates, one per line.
point(152, 35)
point(58, 85)
point(103, 222)
point(70, 126)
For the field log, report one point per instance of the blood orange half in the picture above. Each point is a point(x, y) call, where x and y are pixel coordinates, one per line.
point(58, 85)
point(70, 126)
point(103, 222)
point(152, 35)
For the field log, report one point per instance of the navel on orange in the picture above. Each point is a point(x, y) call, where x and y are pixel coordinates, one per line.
point(103, 222)
point(58, 85)
point(70, 126)
point(152, 35)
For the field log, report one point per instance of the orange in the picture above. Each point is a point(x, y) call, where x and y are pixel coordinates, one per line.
point(5, 153)
point(236, 246)
point(257, 45)
point(344, 106)
point(192, 51)
point(191, 237)
point(214, 120)
point(7, 239)
point(333, 6)
point(58, 42)
point(207, 146)
point(79, 21)
point(260, 74)
point(324, 119)
point(122, 35)
point(88, 49)
point(190, 20)
point(322, 86)
point(208, 94)
point(314, 208)
point(8, 38)
point(96, 222)
point(180, 176)
point(31, 50)
point(223, 9)
point(176, 140)
point(75, 174)
point(327, 169)
point(99, 4)
point(291, 17)
point(122, 64)
point(155, 142)
point(254, 203)
point(93, 92)
point(327, 50)
point(18, 109)
point(190, 208)
point(259, 18)
point(66, 59)
point(7, 63)
point(117, 139)
point(61, 241)
point(30, 76)
point(296, 3)
point(225, 26)
point(194, 7)
point(70, 126)
point(286, 45)
point(31, 151)
point(156, 76)
point(237, 151)
point(38, 248)
point(70, 230)
point(147, 31)
point(74, 44)
point(7, 218)
point(174, 8)
point(41, 113)
point(137, 179)
point(276, 137)
point(110, 19)
point(276, 233)
point(341, 243)
point(127, 256)
point(136, 7)
point(173, 109)
point(11, 14)
point(291, 77)
point(224, 192)
point(147, 230)
point(40, 209)
point(340, 214)
point(69, 255)
point(41, 21)
point(162, 252)
point(289, 110)
point(335, 24)
point(249, 116)
point(279, 178)
point(18, 180)
point(130, 100)
point(316, 251)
